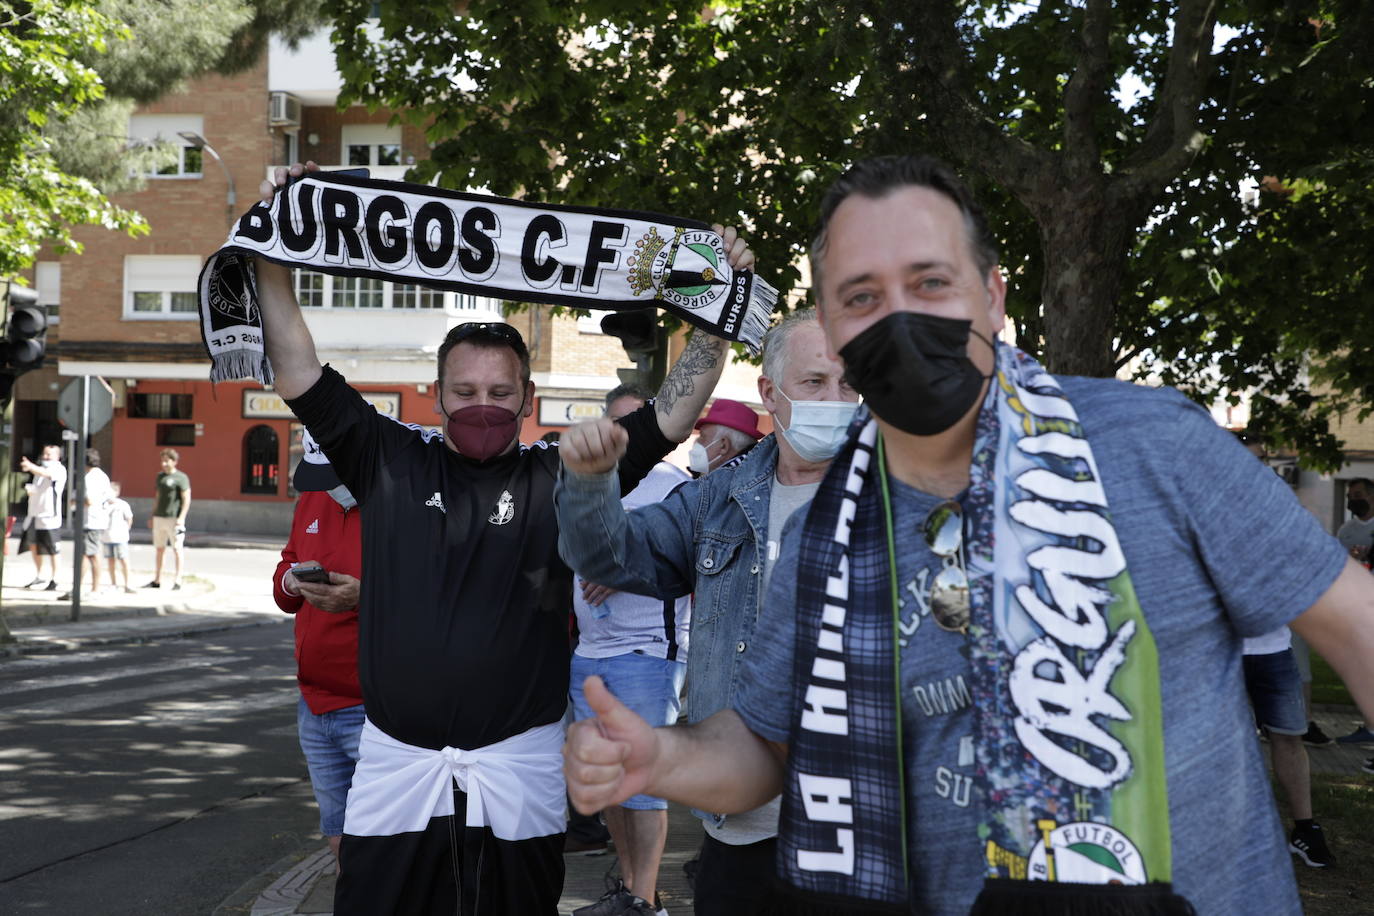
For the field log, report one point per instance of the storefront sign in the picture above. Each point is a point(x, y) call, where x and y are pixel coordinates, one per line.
point(567, 411)
point(260, 404)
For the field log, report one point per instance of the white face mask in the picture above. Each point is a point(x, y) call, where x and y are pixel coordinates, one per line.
point(818, 428)
point(341, 496)
point(698, 461)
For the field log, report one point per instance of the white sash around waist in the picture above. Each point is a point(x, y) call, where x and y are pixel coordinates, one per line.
point(514, 786)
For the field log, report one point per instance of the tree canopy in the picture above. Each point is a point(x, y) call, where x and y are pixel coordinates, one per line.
point(72, 71)
point(1111, 142)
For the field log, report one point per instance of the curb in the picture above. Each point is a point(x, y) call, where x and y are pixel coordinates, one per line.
point(57, 644)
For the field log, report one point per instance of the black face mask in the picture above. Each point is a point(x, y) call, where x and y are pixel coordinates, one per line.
point(1358, 506)
point(914, 372)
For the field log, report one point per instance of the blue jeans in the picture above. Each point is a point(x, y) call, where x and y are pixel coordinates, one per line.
point(648, 685)
point(330, 745)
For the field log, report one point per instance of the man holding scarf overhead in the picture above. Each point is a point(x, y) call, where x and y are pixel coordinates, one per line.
point(457, 799)
point(1004, 666)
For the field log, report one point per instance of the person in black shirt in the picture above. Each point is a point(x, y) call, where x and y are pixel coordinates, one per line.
point(457, 801)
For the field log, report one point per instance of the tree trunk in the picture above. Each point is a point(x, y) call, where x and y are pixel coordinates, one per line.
point(1085, 237)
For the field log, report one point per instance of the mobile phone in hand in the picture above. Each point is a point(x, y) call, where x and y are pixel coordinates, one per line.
point(312, 573)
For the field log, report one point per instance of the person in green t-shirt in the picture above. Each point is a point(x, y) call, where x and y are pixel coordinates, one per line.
point(170, 505)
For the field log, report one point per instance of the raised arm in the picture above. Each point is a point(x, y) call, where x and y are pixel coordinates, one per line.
point(286, 338)
point(693, 377)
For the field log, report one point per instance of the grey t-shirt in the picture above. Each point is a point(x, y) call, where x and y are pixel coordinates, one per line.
point(1218, 549)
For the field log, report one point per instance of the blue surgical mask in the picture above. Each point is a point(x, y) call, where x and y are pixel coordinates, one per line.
point(818, 428)
point(341, 496)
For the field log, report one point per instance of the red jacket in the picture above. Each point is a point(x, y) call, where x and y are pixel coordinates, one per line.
point(326, 644)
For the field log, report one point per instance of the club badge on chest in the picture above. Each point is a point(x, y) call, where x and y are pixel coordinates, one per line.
point(505, 509)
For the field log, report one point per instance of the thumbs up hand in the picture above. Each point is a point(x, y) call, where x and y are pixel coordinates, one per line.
point(610, 757)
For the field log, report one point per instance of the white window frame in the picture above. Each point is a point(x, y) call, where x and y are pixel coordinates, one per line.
point(169, 127)
point(372, 136)
point(322, 286)
point(163, 275)
point(47, 281)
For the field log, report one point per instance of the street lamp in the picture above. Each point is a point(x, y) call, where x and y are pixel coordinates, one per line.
point(198, 142)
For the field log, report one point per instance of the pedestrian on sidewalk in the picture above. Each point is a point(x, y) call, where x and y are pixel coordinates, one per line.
point(172, 502)
point(97, 519)
point(326, 531)
point(114, 542)
point(44, 516)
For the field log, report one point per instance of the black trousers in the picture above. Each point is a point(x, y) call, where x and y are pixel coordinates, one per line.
point(736, 880)
point(449, 868)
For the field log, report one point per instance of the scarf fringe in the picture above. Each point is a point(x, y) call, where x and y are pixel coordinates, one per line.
point(1005, 897)
point(245, 362)
point(763, 298)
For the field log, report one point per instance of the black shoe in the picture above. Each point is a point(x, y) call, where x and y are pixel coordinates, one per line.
point(51, 586)
point(639, 907)
point(1368, 765)
point(612, 903)
point(153, 584)
point(1315, 737)
point(1310, 845)
point(1361, 735)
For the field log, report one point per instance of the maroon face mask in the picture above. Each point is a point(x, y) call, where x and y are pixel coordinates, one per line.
point(482, 431)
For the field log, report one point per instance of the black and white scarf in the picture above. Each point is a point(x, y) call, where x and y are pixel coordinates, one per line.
point(1065, 681)
point(351, 225)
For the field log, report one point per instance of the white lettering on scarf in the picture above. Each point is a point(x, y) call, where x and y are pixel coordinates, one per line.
point(822, 797)
point(1054, 698)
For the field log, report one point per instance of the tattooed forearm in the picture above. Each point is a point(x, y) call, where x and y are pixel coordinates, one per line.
point(689, 383)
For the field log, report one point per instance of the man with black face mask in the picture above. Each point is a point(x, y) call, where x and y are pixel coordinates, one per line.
point(1008, 621)
point(457, 802)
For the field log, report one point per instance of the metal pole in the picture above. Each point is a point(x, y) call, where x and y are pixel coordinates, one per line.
point(6, 436)
point(79, 515)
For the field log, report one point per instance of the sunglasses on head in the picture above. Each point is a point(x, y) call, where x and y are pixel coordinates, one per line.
point(950, 604)
point(497, 329)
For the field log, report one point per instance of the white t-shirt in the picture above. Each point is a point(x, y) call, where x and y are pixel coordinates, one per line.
point(45, 497)
point(121, 519)
point(1268, 643)
point(1355, 533)
point(97, 499)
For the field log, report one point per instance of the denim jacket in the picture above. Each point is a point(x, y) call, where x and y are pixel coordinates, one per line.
point(708, 538)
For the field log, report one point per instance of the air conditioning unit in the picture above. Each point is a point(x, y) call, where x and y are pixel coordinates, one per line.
point(284, 110)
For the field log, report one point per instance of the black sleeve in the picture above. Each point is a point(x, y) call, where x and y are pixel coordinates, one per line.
point(357, 440)
point(647, 446)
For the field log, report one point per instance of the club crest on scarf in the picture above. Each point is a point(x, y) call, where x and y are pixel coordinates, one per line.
point(686, 272)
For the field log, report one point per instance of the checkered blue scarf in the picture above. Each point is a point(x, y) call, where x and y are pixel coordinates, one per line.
point(1074, 803)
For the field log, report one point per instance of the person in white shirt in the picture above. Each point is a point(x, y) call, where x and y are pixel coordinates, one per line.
point(1357, 533)
point(44, 513)
point(115, 538)
point(97, 517)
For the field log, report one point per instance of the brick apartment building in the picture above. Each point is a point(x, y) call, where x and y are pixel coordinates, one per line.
point(125, 309)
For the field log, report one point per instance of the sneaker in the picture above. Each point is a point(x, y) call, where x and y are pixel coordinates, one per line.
point(51, 586)
point(1315, 737)
point(65, 597)
point(1361, 735)
point(639, 907)
point(1310, 845)
point(659, 908)
point(575, 846)
point(130, 590)
point(176, 586)
point(615, 901)
point(1368, 765)
point(153, 584)
point(37, 581)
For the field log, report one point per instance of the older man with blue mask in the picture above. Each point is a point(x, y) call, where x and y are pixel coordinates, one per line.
point(717, 537)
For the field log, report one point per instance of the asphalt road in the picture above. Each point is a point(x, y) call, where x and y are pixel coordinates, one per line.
point(151, 779)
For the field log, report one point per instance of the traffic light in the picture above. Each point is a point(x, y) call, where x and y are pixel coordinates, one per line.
point(26, 331)
point(637, 330)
